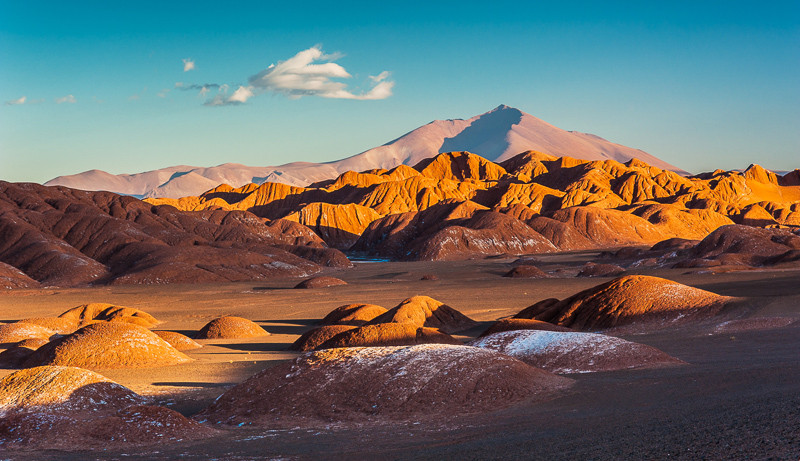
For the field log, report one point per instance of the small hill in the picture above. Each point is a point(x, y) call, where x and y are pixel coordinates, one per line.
point(388, 334)
point(571, 352)
point(108, 345)
point(423, 311)
point(353, 314)
point(393, 382)
point(312, 339)
point(626, 300)
point(230, 327)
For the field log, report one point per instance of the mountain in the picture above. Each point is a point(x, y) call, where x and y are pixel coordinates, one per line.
point(496, 135)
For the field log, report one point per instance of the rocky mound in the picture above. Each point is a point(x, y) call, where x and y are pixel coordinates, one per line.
point(600, 270)
point(429, 278)
point(57, 324)
point(353, 314)
point(742, 245)
point(320, 282)
point(424, 311)
point(108, 345)
point(526, 272)
point(230, 327)
point(409, 381)
point(12, 333)
point(572, 352)
point(69, 408)
point(521, 324)
point(14, 356)
point(58, 387)
point(103, 312)
point(314, 338)
point(629, 299)
point(178, 341)
point(388, 334)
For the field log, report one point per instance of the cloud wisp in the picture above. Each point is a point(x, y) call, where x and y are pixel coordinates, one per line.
point(16, 102)
point(69, 99)
point(22, 100)
point(311, 73)
point(188, 64)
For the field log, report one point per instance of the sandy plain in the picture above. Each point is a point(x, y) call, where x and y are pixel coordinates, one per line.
point(738, 397)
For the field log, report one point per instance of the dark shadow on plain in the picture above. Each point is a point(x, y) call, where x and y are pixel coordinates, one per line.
point(193, 384)
point(256, 347)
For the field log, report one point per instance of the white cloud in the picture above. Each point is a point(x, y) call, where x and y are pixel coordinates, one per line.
point(380, 77)
point(16, 102)
point(299, 76)
point(68, 99)
point(163, 93)
point(138, 96)
point(240, 96)
point(188, 64)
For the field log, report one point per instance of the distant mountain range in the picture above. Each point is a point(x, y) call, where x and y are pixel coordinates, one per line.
point(496, 135)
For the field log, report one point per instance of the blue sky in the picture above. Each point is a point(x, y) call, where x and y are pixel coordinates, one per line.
point(702, 85)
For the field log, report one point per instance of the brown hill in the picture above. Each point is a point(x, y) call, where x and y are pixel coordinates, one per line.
point(230, 327)
point(63, 237)
point(572, 352)
point(423, 311)
point(11, 278)
point(352, 314)
point(626, 300)
point(108, 345)
point(388, 334)
point(402, 382)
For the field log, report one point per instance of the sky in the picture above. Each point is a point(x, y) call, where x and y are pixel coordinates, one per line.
point(128, 87)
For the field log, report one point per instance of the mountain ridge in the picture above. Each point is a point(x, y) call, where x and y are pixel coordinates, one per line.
point(496, 135)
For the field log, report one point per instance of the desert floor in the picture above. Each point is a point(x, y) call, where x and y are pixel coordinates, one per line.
point(738, 397)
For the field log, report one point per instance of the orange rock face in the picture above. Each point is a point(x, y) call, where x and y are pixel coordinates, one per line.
point(626, 300)
point(230, 327)
point(353, 314)
point(11, 333)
